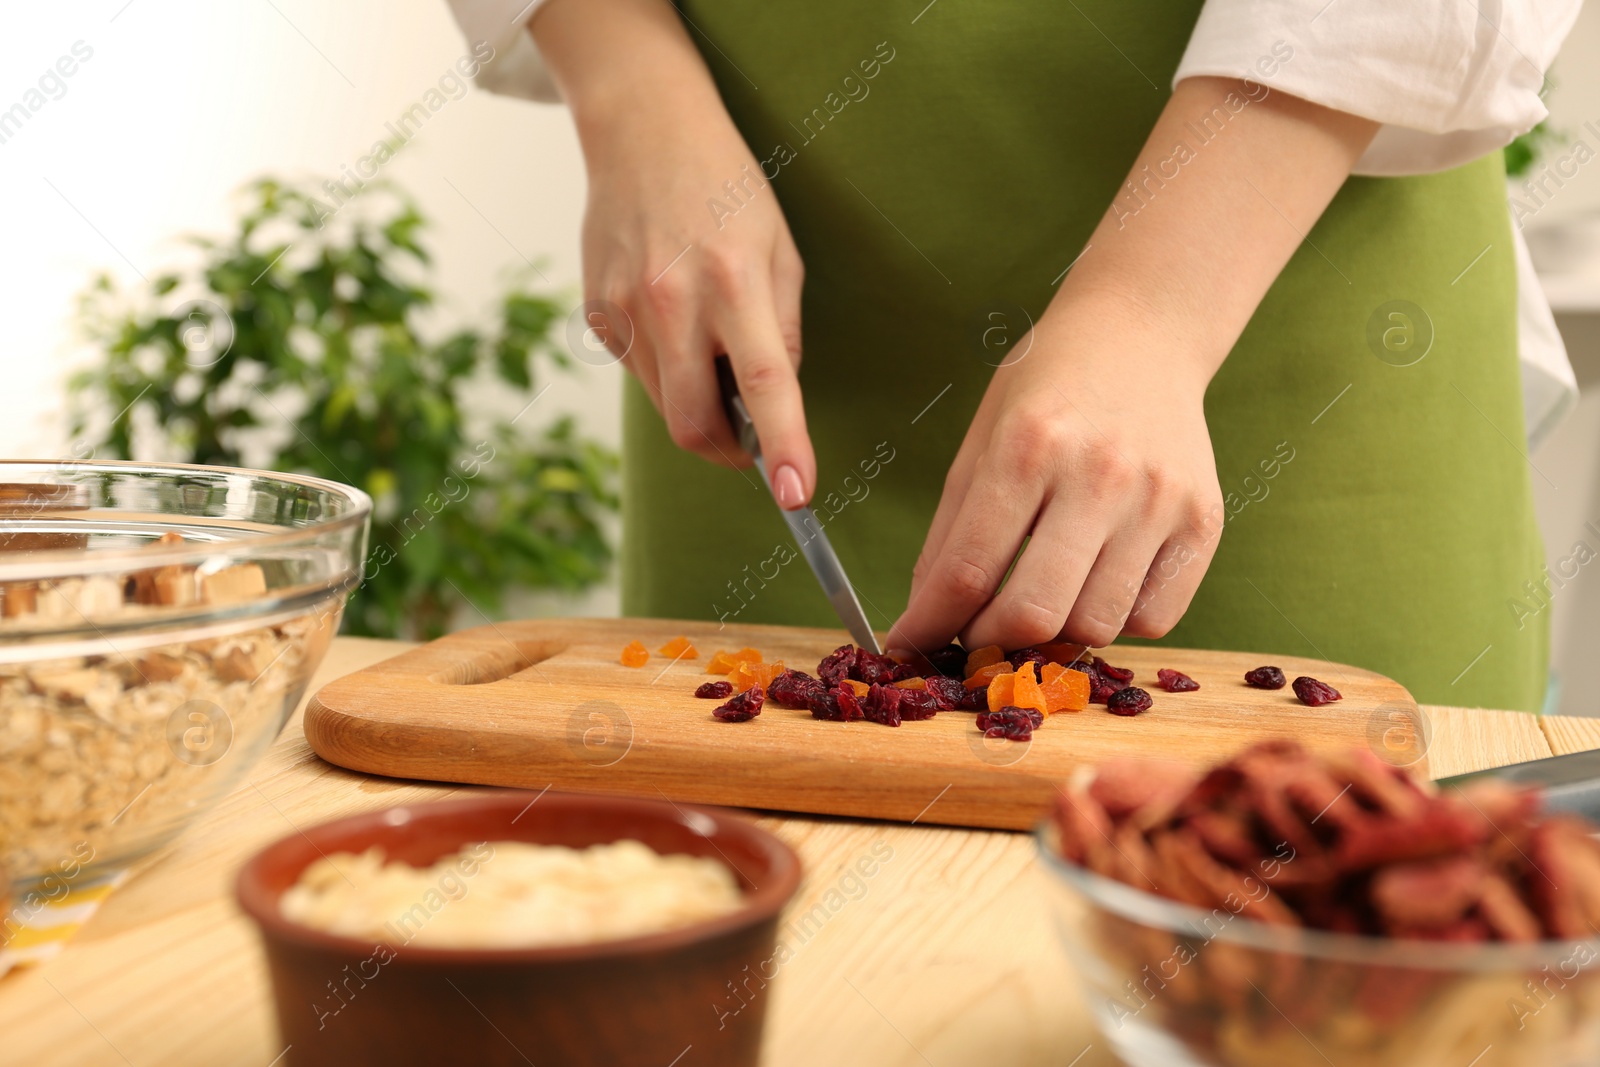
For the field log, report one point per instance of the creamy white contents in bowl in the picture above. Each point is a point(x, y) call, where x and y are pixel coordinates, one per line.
point(511, 894)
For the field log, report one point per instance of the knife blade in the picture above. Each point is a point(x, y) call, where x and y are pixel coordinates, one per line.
point(1571, 783)
point(802, 522)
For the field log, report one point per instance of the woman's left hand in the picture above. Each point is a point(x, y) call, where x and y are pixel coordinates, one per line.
point(1093, 445)
point(1092, 442)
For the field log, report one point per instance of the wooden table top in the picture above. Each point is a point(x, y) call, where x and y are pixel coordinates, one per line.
point(945, 956)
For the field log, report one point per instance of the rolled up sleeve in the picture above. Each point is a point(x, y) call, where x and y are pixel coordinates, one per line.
point(1447, 80)
point(517, 69)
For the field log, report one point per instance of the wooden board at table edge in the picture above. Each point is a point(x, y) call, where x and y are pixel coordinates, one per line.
point(421, 715)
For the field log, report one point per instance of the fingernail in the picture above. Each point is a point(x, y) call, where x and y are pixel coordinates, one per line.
point(787, 488)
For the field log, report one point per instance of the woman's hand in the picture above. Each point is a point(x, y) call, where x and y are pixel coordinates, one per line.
point(1094, 445)
point(694, 281)
point(1092, 442)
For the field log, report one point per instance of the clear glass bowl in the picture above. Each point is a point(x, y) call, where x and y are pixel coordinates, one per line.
point(158, 624)
point(1175, 986)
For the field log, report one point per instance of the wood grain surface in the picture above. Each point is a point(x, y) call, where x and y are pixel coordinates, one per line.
point(946, 956)
point(546, 703)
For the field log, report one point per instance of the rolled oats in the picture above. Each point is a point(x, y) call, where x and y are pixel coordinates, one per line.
point(111, 749)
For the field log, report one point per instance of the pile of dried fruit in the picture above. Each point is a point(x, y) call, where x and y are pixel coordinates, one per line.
point(1013, 693)
point(1362, 846)
point(1342, 843)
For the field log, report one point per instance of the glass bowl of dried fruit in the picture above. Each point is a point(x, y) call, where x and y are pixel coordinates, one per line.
point(158, 624)
point(1292, 909)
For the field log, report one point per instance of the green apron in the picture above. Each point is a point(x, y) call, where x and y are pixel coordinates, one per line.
point(1380, 512)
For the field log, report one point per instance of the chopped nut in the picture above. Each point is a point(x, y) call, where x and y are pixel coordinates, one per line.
point(232, 585)
point(19, 598)
point(242, 662)
point(160, 667)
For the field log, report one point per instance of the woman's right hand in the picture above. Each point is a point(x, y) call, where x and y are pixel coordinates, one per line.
point(696, 280)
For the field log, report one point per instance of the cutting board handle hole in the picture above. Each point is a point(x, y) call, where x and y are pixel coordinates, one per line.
point(497, 662)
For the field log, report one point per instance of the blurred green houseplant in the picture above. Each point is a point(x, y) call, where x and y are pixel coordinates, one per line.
point(302, 332)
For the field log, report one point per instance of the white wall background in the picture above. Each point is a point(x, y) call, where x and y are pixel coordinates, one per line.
point(184, 100)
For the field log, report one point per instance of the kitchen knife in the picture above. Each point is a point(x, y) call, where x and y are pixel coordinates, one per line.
point(1571, 783)
point(803, 524)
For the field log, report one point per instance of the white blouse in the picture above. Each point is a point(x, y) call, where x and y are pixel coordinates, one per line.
point(1447, 80)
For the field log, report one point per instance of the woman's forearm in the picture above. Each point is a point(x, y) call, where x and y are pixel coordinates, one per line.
point(1231, 179)
point(613, 59)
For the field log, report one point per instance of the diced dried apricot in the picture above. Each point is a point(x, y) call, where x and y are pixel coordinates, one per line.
point(678, 648)
point(1062, 652)
point(1050, 672)
point(1030, 668)
point(861, 688)
point(985, 675)
point(1001, 687)
point(634, 654)
point(1025, 691)
point(1068, 691)
point(747, 655)
point(982, 657)
point(745, 675)
point(721, 663)
point(912, 683)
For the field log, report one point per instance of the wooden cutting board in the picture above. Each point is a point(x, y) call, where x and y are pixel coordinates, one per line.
point(545, 703)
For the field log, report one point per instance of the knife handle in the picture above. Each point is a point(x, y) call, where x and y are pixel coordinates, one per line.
point(744, 430)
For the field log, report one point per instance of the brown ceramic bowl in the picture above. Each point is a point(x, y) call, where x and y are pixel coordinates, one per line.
point(660, 999)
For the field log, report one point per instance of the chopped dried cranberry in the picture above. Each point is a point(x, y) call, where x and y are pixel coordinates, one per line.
point(874, 669)
point(792, 689)
point(1315, 693)
point(1026, 655)
point(744, 707)
point(825, 705)
point(1129, 701)
point(1265, 678)
point(714, 690)
point(837, 665)
point(975, 699)
point(917, 704)
point(1120, 674)
point(1012, 723)
point(849, 704)
point(882, 704)
point(950, 661)
point(1176, 681)
point(903, 671)
point(948, 691)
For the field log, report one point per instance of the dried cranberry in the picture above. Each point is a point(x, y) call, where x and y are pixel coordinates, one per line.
point(1265, 678)
point(948, 691)
point(1120, 674)
point(950, 661)
point(837, 665)
point(714, 690)
point(1129, 701)
point(825, 705)
point(744, 707)
point(1026, 655)
point(882, 705)
point(874, 669)
point(1315, 693)
point(792, 689)
point(975, 699)
point(1176, 681)
point(917, 704)
point(849, 704)
point(1012, 723)
point(902, 671)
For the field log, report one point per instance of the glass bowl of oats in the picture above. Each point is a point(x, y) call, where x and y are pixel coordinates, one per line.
point(158, 624)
